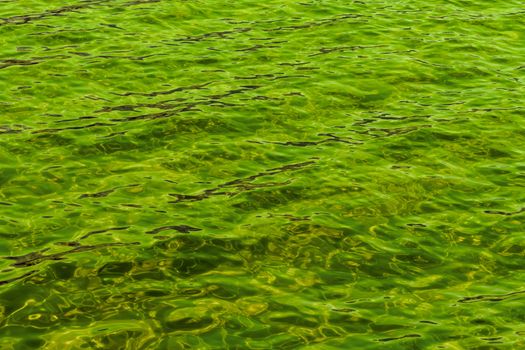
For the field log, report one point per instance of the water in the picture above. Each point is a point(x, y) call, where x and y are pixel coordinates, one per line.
point(257, 175)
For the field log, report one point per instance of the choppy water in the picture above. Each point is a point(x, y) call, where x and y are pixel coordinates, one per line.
point(255, 175)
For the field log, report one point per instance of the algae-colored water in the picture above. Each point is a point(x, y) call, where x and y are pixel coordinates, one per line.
point(316, 174)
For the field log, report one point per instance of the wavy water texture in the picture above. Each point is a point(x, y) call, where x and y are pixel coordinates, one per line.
point(262, 175)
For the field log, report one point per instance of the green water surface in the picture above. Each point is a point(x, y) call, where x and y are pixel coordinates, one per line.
point(279, 174)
